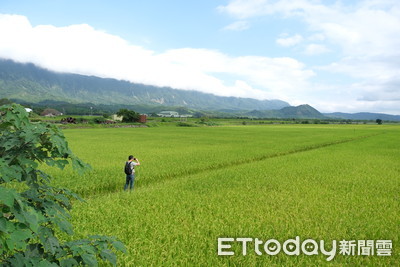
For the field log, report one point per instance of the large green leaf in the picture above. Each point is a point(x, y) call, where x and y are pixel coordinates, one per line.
point(3, 224)
point(108, 255)
point(89, 260)
point(18, 239)
point(7, 196)
point(68, 262)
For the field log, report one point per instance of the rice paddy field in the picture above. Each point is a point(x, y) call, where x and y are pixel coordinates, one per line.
point(198, 184)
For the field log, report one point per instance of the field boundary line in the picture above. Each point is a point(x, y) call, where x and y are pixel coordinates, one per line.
point(259, 158)
point(172, 176)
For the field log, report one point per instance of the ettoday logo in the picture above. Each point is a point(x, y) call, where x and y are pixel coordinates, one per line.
point(295, 247)
point(273, 247)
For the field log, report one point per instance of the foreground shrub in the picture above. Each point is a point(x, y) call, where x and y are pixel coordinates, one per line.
point(31, 210)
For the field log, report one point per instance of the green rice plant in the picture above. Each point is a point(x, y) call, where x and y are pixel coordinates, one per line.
point(198, 184)
point(170, 152)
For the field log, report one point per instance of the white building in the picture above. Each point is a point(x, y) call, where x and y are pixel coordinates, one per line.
point(115, 117)
point(169, 114)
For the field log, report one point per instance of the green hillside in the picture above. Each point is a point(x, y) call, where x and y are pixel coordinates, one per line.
point(363, 116)
point(302, 111)
point(72, 93)
point(29, 83)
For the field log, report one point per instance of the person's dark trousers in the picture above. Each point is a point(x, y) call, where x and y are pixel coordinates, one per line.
point(130, 179)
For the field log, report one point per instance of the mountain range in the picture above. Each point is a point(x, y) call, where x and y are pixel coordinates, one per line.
point(30, 84)
point(362, 116)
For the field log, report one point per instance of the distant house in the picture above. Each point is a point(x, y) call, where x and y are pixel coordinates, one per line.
point(115, 117)
point(169, 114)
point(29, 110)
point(49, 112)
point(143, 118)
point(186, 115)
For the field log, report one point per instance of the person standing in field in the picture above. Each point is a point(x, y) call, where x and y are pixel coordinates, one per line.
point(130, 171)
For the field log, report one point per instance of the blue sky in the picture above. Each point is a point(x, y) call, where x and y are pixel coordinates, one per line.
point(333, 55)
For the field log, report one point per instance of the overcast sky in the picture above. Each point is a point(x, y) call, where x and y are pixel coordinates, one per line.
point(334, 55)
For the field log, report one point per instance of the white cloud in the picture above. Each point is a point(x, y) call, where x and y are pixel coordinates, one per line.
point(318, 37)
point(365, 34)
point(240, 25)
point(278, 76)
point(245, 8)
point(290, 41)
point(316, 49)
point(85, 50)
point(371, 27)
